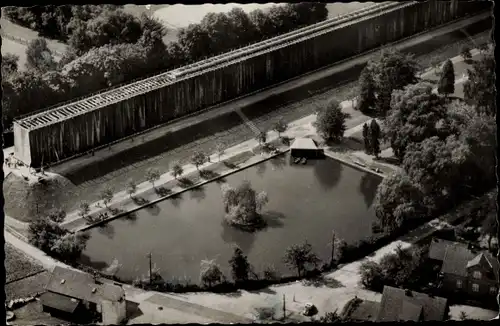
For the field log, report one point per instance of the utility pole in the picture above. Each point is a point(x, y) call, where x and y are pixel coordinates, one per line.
point(284, 308)
point(150, 256)
point(333, 249)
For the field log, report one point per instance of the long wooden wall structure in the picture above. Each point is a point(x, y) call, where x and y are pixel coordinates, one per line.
point(77, 127)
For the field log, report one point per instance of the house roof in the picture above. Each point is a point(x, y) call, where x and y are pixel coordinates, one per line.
point(82, 286)
point(455, 260)
point(397, 305)
point(438, 247)
point(304, 143)
point(59, 302)
point(458, 258)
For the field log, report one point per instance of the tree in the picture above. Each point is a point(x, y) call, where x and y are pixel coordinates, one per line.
point(106, 195)
point(366, 91)
point(367, 139)
point(198, 159)
point(480, 89)
point(9, 64)
point(465, 52)
point(299, 256)
point(39, 57)
point(371, 275)
point(210, 273)
point(242, 204)
point(280, 126)
point(131, 188)
point(57, 215)
point(177, 170)
point(239, 266)
point(70, 245)
point(415, 115)
point(490, 227)
point(261, 137)
point(153, 175)
point(398, 201)
point(220, 148)
point(393, 70)
point(439, 168)
point(375, 135)
point(330, 121)
point(261, 200)
point(446, 84)
point(483, 47)
point(330, 317)
point(463, 316)
point(48, 236)
point(84, 209)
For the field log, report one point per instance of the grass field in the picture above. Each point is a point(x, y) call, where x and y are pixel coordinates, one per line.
point(17, 265)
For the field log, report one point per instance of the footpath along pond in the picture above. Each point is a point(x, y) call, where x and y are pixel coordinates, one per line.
point(306, 202)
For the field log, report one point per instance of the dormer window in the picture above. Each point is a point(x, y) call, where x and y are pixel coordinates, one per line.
point(476, 275)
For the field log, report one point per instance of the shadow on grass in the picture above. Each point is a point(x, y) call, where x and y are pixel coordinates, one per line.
point(116, 211)
point(185, 182)
point(162, 191)
point(208, 174)
point(230, 165)
point(139, 201)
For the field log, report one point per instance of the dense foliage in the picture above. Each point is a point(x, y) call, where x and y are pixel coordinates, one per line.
point(243, 204)
point(108, 47)
point(392, 70)
point(47, 235)
point(300, 257)
point(446, 85)
point(330, 121)
point(404, 268)
point(480, 89)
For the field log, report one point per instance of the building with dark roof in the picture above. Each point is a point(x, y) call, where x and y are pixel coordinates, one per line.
point(71, 293)
point(464, 270)
point(404, 305)
point(305, 147)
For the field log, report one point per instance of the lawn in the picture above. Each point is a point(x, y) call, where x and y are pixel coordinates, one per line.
point(18, 265)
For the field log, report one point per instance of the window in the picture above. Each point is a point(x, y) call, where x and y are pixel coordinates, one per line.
point(459, 284)
point(493, 290)
point(476, 275)
point(475, 287)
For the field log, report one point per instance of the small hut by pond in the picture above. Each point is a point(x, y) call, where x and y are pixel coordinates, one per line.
point(305, 148)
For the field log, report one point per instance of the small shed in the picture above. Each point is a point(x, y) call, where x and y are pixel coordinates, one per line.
point(71, 293)
point(304, 147)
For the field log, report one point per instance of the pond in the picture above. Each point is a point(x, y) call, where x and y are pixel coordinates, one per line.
point(306, 202)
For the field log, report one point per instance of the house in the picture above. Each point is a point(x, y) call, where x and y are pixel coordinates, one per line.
point(404, 305)
point(72, 294)
point(305, 147)
point(465, 270)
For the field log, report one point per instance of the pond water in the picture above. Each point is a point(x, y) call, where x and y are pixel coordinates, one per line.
point(306, 202)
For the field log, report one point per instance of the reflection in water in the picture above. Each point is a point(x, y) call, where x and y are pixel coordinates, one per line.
point(154, 210)
point(261, 169)
point(299, 209)
point(368, 188)
point(278, 162)
point(244, 240)
point(107, 229)
point(328, 174)
point(198, 193)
